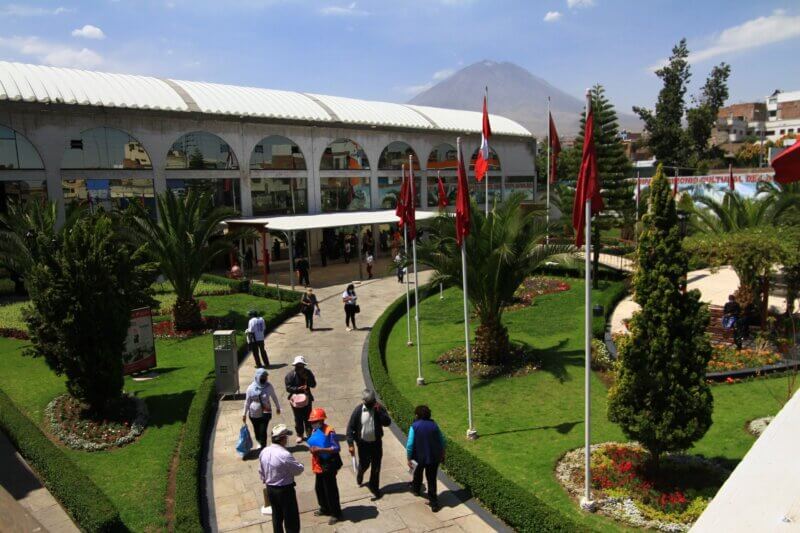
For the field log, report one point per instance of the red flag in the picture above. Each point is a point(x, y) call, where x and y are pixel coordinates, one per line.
point(555, 149)
point(410, 211)
point(787, 165)
point(731, 183)
point(588, 187)
point(442, 194)
point(401, 197)
point(482, 162)
point(462, 201)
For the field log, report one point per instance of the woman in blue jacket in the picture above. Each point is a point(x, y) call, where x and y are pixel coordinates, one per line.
point(425, 446)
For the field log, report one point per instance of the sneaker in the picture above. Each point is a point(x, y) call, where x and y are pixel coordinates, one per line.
point(435, 507)
point(266, 510)
point(376, 495)
point(360, 478)
point(298, 440)
point(334, 520)
point(319, 512)
point(348, 329)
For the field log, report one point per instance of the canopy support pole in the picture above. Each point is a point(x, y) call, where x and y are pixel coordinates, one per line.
point(358, 252)
point(291, 258)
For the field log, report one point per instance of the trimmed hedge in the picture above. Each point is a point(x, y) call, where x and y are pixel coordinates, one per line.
point(188, 493)
point(517, 507)
point(83, 500)
point(256, 289)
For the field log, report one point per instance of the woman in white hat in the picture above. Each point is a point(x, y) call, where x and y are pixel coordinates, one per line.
point(299, 383)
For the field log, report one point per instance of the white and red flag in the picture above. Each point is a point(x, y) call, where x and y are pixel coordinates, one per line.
point(482, 161)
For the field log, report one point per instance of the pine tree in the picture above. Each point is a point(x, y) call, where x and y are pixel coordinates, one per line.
point(660, 397)
point(614, 169)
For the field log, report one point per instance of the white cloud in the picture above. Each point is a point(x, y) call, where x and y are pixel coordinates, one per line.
point(754, 33)
point(55, 54)
point(573, 4)
point(438, 76)
point(552, 16)
point(19, 10)
point(89, 32)
point(350, 9)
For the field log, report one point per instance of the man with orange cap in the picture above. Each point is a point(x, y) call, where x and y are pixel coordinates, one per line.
point(325, 463)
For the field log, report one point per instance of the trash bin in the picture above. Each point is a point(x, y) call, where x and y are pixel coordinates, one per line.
point(597, 310)
point(226, 361)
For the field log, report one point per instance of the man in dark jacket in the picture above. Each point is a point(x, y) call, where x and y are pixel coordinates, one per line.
point(366, 429)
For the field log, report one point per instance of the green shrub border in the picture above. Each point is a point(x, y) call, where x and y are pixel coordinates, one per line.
point(83, 500)
point(256, 289)
point(517, 507)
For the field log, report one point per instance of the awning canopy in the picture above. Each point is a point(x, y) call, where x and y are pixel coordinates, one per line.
point(327, 220)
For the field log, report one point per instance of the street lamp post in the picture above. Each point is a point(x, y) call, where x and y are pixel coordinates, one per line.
point(683, 224)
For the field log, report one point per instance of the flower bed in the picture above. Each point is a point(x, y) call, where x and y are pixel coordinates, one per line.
point(726, 358)
point(625, 488)
point(70, 423)
point(14, 333)
point(535, 286)
point(521, 362)
point(165, 329)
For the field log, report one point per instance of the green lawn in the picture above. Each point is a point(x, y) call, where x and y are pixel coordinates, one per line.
point(527, 423)
point(135, 476)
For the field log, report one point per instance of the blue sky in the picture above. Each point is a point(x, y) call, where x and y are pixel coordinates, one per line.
point(387, 50)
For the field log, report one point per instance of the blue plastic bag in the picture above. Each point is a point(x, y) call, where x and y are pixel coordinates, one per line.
point(245, 443)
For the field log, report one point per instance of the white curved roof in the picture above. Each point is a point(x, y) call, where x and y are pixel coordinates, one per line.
point(43, 84)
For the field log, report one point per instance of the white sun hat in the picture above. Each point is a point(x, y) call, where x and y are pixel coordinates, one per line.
point(299, 360)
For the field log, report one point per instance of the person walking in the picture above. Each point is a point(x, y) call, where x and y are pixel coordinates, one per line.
point(248, 259)
point(299, 382)
point(425, 446)
point(323, 253)
point(257, 405)
point(347, 248)
point(370, 261)
point(365, 429)
point(255, 338)
point(398, 260)
point(350, 307)
point(276, 249)
point(325, 463)
point(278, 468)
point(731, 315)
point(302, 271)
point(308, 306)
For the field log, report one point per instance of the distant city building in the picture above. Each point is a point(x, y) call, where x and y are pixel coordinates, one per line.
point(777, 116)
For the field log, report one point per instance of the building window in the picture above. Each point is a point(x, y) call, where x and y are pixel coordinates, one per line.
point(443, 157)
point(277, 153)
point(344, 194)
point(17, 152)
point(344, 154)
point(105, 149)
point(200, 150)
point(279, 196)
point(21, 191)
point(396, 155)
point(389, 191)
point(522, 184)
point(109, 194)
point(224, 191)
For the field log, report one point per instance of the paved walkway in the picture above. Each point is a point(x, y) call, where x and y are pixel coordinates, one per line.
point(334, 355)
point(25, 504)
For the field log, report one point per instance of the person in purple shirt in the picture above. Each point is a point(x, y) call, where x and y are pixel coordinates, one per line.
point(277, 469)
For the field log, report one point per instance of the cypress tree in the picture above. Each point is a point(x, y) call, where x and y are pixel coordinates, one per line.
point(660, 397)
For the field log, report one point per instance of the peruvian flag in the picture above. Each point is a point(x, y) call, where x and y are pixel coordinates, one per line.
point(442, 194)
point(482, 162)
point(462, 201)
point(787, 165)
point(409, 205)
point(588, 187)
point(555, 149)
point(731, 182)
point(400, 209)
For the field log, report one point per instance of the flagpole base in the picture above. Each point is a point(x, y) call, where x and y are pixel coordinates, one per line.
point(589, 506)
point(420, 381)
point(409, 343)
point(472, 434)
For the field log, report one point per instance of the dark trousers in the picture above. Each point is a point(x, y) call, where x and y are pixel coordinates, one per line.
point(328, 494)
point(260, 427)
point(370, 455)
point(347, 257)
point(400, 275)
point(285, 515)
point(369, 271)
point(301, 423)
point(303, 278)
point(256, 348)
point(309, 318)
point(430, 478)
point(350, 315)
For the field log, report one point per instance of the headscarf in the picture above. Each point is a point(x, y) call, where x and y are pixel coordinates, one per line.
point(257, 386)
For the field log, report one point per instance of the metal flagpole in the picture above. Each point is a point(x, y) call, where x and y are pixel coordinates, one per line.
point(638, 194)
point(472, 433)
point(439, 180)
point(486, 177)
point(549, 142)
point(405, 255)
point(587, 414)
point(420, 379)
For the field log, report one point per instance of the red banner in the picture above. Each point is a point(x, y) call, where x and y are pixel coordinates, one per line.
point(723, 179)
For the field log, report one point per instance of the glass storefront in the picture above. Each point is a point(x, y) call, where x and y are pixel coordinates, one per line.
point(224, 191)
point(105, 148)
point(277, 153)
point(443, 157)
point(21, 191)
point(344, 194)
point(389, 191)
point(450, 183)
point(17, 152)
point(494, 161)
point(200, 150)
point(110, 194)
point(396, 155)
point(478, 190)
point(522, 184)
point(279, 196)
point(344, 154)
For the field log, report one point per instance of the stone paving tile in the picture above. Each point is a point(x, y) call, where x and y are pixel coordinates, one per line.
point(334, 356)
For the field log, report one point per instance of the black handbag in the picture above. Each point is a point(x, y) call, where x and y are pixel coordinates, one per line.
point(358, 309)
point(332, 464)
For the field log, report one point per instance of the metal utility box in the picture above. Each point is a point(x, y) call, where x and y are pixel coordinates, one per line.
point(226, 362)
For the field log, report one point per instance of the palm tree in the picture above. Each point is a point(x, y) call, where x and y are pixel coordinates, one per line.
point(185, 242)
point(731, 214)
point(502, 248)
point(785, 200)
